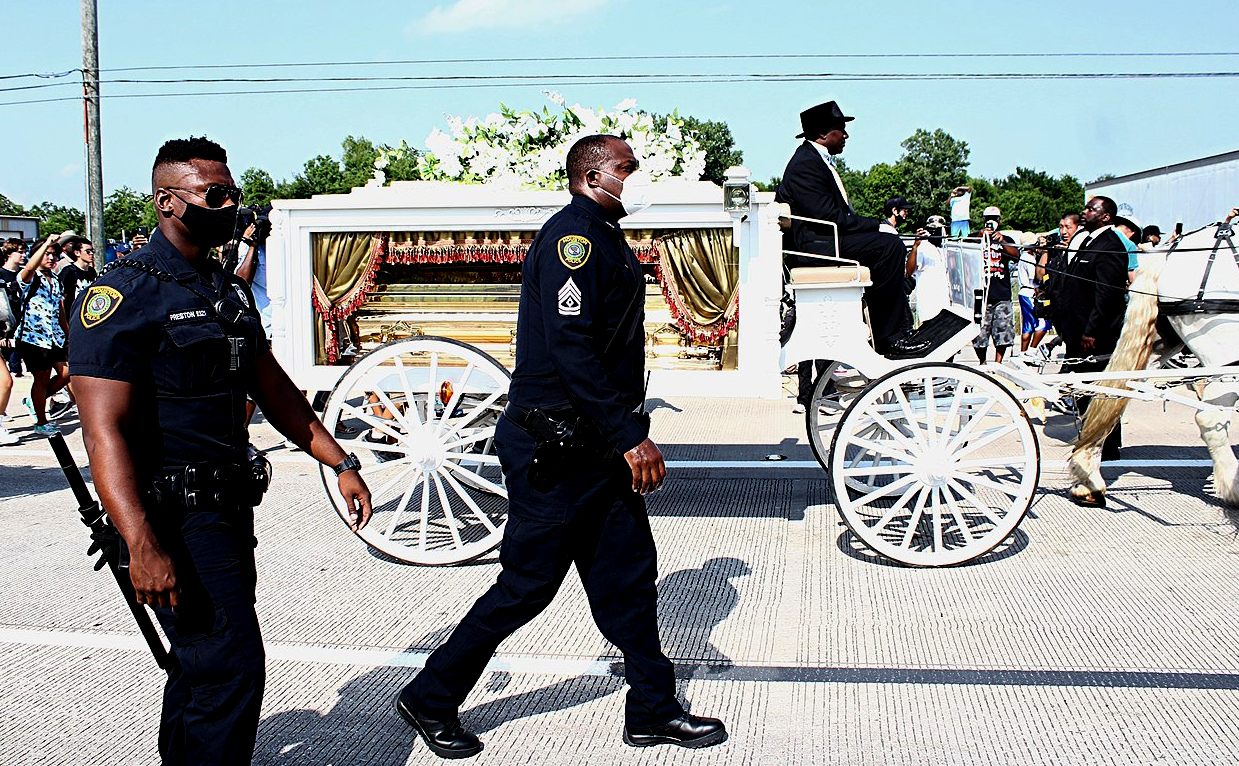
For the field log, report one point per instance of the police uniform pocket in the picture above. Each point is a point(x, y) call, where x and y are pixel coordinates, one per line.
point(199, 358)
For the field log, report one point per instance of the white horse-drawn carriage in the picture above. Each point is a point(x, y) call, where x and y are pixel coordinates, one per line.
point(932, 463)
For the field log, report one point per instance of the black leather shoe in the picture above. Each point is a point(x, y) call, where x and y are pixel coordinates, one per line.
point(445, 737)
point(685, 730)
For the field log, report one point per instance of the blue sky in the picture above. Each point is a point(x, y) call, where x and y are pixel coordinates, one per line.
point(1082, 127)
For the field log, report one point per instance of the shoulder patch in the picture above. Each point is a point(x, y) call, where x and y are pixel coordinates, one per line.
point(99, 303)
point(574, 250)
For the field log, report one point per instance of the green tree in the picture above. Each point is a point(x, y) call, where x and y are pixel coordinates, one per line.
point(123, 211)
point(875, 186)
point(932, 164)
point(54, 219)
point(9, 207)
point(769, 186)
point(259, 187)
point(358, 161)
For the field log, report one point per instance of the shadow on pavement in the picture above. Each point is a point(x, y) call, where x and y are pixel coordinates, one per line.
point(363, 727)
point(852, 547)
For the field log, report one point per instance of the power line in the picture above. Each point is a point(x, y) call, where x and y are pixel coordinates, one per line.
point(469, 82)
point(669, 57)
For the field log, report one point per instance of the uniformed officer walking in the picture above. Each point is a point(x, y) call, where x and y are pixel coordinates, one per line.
point(165, 346)
point(577, 459)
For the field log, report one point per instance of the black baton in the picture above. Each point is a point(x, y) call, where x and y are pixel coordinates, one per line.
point(106, 541)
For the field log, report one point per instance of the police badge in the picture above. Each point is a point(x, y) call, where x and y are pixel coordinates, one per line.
point(574, 251)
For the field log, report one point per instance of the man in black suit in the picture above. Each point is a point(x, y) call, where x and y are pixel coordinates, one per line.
point(1091, 299)
point(813, 189)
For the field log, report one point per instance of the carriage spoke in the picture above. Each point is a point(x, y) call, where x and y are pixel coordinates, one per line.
point(888, 427)
point(484, 433)
point(885, 490)
point(387, 403)
point(448, 517)
point(473, 458)
point(457, 393)
point(400, 475)
point(403, 506)
point(915, 519)
point(477, 412)
point(875, 469)
point(883, 450)
point(894, 510)
point(1014, 461)
point(425, 517)
point(966, 428)
point(370, 446)
point(980, 507)
point(431, 393)
point(473, 477)
point(1006, 489)
point(964, 528)
point(372, 421)
point(938, 520)
point(989, 438)
point(410, 402)
point(478, 513)
point(931, 432)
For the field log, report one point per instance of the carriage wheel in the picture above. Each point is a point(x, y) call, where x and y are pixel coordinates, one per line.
point(934, 464)
point(835, 388)
point(420, 414)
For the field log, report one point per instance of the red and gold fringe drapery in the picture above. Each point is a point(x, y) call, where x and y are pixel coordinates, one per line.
point(438, 254)
point(351, 301)
point(707, 335)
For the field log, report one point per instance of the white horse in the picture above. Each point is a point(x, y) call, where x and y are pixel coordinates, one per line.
point(1194, 285)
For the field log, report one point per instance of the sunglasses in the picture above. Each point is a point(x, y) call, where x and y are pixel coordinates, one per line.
point(215, 194)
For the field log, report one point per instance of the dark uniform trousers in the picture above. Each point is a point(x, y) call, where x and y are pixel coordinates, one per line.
point(213, 698)
point(594, 520)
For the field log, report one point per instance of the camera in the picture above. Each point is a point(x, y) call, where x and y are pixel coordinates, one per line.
point(1053, 239)
point(259, 217)
point(991, 224)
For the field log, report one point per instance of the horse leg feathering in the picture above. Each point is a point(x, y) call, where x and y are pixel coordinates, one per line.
point(1132, 353)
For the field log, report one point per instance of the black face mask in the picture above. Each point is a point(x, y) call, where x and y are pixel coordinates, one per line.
point(210, 226)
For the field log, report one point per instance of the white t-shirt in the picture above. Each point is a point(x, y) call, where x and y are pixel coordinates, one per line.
point(933, 291)
point(961, 207)
point(1027, 270)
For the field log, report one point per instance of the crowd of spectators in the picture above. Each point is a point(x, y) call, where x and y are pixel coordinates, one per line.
point(39, 282)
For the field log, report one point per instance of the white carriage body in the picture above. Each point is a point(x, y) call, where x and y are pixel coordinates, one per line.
point(433, 206)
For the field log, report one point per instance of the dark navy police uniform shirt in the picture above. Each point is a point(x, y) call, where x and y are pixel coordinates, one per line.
point(581, 285)
point(168, 342)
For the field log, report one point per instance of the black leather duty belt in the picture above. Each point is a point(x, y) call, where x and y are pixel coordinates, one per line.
point(203, 486)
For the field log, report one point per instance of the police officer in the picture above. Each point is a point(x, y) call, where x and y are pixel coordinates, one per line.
point(577, 458)
point(166, 346)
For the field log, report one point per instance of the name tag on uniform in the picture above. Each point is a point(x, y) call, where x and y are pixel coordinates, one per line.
point(188, 315)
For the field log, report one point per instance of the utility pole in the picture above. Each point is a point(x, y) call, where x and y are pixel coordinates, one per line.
point(94, 149)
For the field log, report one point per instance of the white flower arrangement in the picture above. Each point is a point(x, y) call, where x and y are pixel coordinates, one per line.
point(527, 149)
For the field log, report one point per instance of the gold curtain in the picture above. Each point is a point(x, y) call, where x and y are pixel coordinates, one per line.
point(344, 267)
point(700, 271)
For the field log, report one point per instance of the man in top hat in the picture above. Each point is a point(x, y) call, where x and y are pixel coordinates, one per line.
point(812, 187)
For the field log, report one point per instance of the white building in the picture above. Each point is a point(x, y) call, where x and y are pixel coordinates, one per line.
point(1194, 193)
point(23, 226)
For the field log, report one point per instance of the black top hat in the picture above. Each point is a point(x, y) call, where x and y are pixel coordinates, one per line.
point(822, 118)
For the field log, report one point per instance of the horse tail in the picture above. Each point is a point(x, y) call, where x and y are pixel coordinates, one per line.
point(1132, 353)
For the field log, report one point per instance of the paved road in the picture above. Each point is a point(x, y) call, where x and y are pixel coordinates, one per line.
point(1098, 636)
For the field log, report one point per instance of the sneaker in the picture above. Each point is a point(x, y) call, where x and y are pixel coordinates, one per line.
point(798, 408)
point(47, 429)
point(57, 409)
point(7, 438)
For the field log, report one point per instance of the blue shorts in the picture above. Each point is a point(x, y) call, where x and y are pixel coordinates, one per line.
point(1028, 321)
point(960, 228)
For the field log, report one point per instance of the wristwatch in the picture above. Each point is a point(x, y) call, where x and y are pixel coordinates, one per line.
point(350, 463)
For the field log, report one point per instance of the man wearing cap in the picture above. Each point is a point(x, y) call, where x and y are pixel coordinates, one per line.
point(1152, 236)
point(1130, 231)
point(895, 212)
point(812, 187)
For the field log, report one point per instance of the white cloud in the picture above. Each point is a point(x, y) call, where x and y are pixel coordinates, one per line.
point(72, 169)
point(472, 15)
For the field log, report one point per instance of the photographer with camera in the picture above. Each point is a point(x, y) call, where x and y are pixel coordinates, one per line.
point(998, 255)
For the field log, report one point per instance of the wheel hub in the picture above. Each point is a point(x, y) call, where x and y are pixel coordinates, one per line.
point(934, 469)
point(426, 448)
